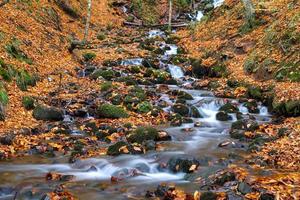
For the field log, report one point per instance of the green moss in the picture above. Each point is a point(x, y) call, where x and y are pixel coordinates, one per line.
point(101, 36)
point(24, 79)
point(141, 134)
point(106, 86)
point(146, 10)
point(28, 102)
point(13, 50)
point(89, 56)
point(3, 97)
point(106, 74)
point(251, 63)
point(144, 107)
point(114, 150)
point(111, 111)
point(7, 72)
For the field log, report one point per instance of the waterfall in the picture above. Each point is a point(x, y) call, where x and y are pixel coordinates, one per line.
point(175, 71)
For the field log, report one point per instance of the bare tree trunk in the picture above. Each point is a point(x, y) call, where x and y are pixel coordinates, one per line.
point(88, 19)
point(4, 2)
point(170, 15)
point(249, 11)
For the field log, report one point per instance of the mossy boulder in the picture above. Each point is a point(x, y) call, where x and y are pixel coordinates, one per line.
point(142, 134)
point(28, 102)
point(175, 119)
point(229, 108)
point(111, 111)
point(182, 164)
point(289, 108)
point(198, 69)
point(255, 93)
point(181, 109)
point(252, 106)
point(245, 124)
point(47, 113)
point(195, 112)
point(223, 116)
point(182, 95)
point(106, 74)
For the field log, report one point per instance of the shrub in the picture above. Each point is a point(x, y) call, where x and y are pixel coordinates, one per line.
point(101, 36)
point(144, 107)
point(13, 50)
point(111, 111)
point(106, 86)
point(88, 56)
point(3, 97)
point(251, 64)
point(24, 79)
point(28, 102)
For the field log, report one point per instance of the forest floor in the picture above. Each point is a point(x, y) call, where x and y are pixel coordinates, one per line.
point(42, 32)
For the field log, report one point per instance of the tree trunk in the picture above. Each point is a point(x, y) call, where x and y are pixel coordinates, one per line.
point(249, 11)
point(88, 19)
point(170, 15)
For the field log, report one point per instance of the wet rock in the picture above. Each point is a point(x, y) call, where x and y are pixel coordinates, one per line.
point(163, 136)
point(198, 69)
point(223, 116)
point(245, 124)
point(111, 111)
point(149, 145)
point(225, 177)
point(175, 119)
point(208, 196)
point(195, 112)
point(182, 95)
point(182, 164)
point(150, 63)
point(244, 188)
point(80, 113)
point(252, 106)
point(197, 124)
point(142, 134)
point(187, 120)
point(229, 108)
point(267, 196)
point(42, 112)
point(181, 109)
point(237, 134)
point(254, 93)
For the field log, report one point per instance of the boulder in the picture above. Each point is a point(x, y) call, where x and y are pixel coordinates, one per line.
point(183, 164)
point(223, 116)
point(252, 106)
point(229, 108)
point(111, 111)
point(245, 124)
point(181, 109)
point(142, 134)
point(48, 113)
point(195, 112)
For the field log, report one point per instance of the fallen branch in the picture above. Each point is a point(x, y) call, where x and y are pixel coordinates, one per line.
point(4, 2)
point(174, 25)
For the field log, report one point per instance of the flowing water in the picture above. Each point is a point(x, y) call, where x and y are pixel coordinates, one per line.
point(93, 176)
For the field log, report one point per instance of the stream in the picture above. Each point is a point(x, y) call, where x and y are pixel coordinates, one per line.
point(199, 139)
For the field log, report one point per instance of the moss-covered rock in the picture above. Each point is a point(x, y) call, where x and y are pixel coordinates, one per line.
point(106, 74)
point(111, 111)
point(245, 124)
point(28, 102)
point(175, 119)
point(223, 116)
point(255, 93)
point(182, 164)
point(182, 95)
point(142, 134)
point(208, 196)
point(181, 109)
point(289, 108)
point(42, 112)
point(195, 112)
point(252, 106)
point(229, 108)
